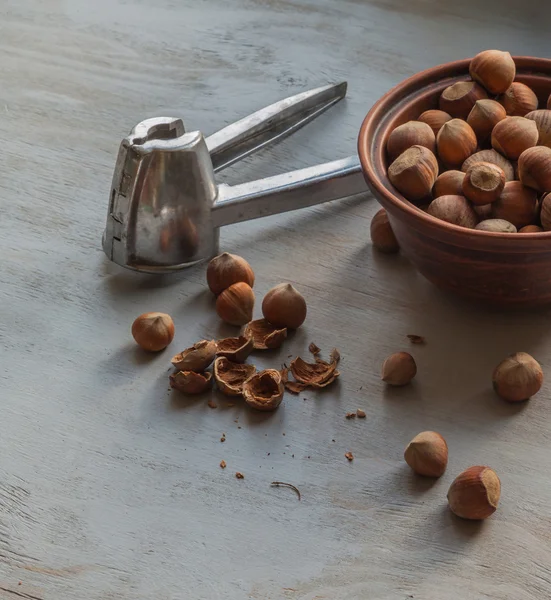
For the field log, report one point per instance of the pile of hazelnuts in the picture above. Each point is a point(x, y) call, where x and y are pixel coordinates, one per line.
point(482, 160)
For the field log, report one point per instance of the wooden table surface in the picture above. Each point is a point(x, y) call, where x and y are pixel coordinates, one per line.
point(110, 485)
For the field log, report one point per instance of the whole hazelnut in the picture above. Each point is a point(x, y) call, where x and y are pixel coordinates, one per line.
point(545, 214)
point(474, 494)
point(235, 304)
point(399, 369)
point(483, 211)
point(484, 116)
point(427, 454)
point(518, 377)
point(414, 172)
point(412, 133)
point(453, 209)
point(459, 98)
point(455, 142)
point(493, 69)
point(483, 183)
point(517, 204)
point(435, 119)
point(518, 100)
point(448, 183)
point(153, 331)
point(284, 306)
point(542, 119)
point(225, 270)
point(491, 156)
point(513, 136)
point(382, 236)
point(530, 229)
point(496, 226)
point(534, 168)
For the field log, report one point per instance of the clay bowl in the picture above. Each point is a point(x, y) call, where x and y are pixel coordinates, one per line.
point(510, 270)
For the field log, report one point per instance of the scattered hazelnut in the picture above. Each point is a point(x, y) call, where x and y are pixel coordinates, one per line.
point(474, 494)
point(427, 454)
point(264, 335)
point(382, 236)
point(483, 183)
point(459, 98)
point(284, 306)
point(414, 172)
point(542, 119)
point(153, 331)
point(530, 229)
point(196, 358)
point(491, 156)
point(235, 304)
point(264, 390)
point(412, 133)
point(496, 226)
point(230, 376)
point(483, 117)
point(449, 183)
point(190, 382)
point(227, 269)
point(455, 142)
point(453, 209)
point(546, 212)
point(514, 135)
point(534, 168)
point(399, 369)
point(435, 119)
point(493, 69)
point(517, 204)
point(236, 349)
point(518, 99)
point(518, 377)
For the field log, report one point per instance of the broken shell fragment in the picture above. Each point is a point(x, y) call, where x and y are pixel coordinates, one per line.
point(231, 376)
point(189, 382)
point(264, 390)
point(264, 335)
point(196, 358)
point(314, 375)
point(236, 349)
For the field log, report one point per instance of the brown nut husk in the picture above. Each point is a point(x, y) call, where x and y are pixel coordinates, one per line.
point(264, 335)
point(311, 375)
point(459, 98)
point(497, 226)
point(235, 304)
point(449, 183)
point(474, 494)
point(435, 119)
point(284, 306)
point(545, 214)
point(483, 183)
point(453, 209)
point(264, 390)
point(517, 204)
point(514, 135)
point(153, 331)
point(534, 168)
point(427, 454)
point(484, 116)
point(190, 382)
point(491, 156)
point(399, 369)
point(230, 376)
point(236, 349)
point(455, 142)
point(542, 119)
point(196, 358)
point(518, 377)
point(414, 172)
point(493, 69)
point(225, 270)
point(412, 133)
point(518, 100)
point(382, 236)
point(530, 229)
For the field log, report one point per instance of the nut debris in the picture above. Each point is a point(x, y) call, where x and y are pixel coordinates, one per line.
point(223, 464)
point(360, 413)
point(196, 358)
point(230, 376)
point(416, 339)
point(236, 349)
point(315, 375)
point(189, 382)
point(212, 404)
point(350, 415)
point(289, 485)
point(239, 475)
point(264, 335)
point(349, 456)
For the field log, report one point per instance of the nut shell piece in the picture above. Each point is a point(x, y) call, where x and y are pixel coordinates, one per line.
point(263, 335)
point(190, 382)
point(196, 358)
point(264, 390)
point(230, 376)
point(236, 349)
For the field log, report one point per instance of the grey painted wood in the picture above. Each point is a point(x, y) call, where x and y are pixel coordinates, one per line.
point(109, 484)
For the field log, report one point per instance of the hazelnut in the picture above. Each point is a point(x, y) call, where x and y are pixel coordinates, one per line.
point(264, 335)
point(190, 382)
point(483, 211)
point(435, 119)
point(518, 100)
point(513, 136)
point(399, 369)
point(518, 377)
point(414, 172)
point(459, 98)
point(530, 229)
point(264, 391)
point(534, 168)
point(449, 183)
point(153, 331)
point(412, 133)
point(483, 117)
point(284, 306)
point(496, 226)
point(427, 454)
point(453, 209)
point(235, 304)
point(493, 69)
point(491, 156)
point(236, 349)
point(483, 183)
point(545, 215)
point(549, 102)
point(230, 376)
point(517, 204)
point(227, 269)
point(455, 142)
point(196, 358)
point(542, 119)
point(474, 494)
point(382, 236)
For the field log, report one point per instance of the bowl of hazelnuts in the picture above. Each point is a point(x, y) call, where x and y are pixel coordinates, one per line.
point(459, 156)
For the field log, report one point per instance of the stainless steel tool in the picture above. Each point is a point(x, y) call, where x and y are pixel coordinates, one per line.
point(166, 208)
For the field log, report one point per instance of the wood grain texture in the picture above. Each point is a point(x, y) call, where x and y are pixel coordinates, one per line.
point(110, 485)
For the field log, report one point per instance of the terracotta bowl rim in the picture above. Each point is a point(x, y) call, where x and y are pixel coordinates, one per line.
point(368, 134)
